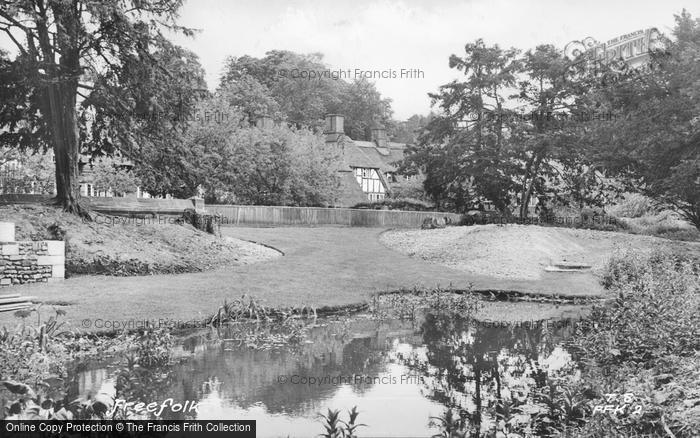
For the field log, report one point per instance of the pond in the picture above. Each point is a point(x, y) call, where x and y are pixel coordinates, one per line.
point(399, 373)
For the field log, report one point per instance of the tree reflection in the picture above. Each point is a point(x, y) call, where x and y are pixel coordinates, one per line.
point(488, 374)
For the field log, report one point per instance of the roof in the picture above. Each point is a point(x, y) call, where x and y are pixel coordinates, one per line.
point(368, 154)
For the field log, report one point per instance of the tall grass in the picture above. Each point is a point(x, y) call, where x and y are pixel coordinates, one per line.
point(665, 224)
point(639, 214)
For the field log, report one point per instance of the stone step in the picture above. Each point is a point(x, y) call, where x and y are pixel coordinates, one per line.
point(14, 299)
point(557, 269)
point(9, 295)
point(571, 265)
point(15, 306)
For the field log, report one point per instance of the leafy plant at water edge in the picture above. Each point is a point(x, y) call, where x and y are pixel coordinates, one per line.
point(30, 353)
point(265, 336)
point(655, 313)
point(331, 422)
point(34, 358)
point(646, 341)
point(38, 405)
point(450, 425)
point(153, 348)
point(338, 428)
point(248, 308)
point(406, 303)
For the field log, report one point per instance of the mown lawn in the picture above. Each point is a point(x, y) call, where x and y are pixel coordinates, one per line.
point(321, 266)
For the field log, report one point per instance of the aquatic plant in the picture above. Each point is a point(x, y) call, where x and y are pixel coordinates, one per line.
point(33, 360)
point(30, 353)
point(154, 347)
point(332, 424)
point(406, 304)
point(450, 425)
point(242, 308)
point(351, 426)
point(337, 428)
point(42, 331)
point(265, 336)
point(37, 405)
point(248, 308)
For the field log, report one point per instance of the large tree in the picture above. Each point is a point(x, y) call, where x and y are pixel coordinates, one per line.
point(486, 145)
point(363, 108)
point(143, 112)
point(409, 130)
point(235, 161)
point(463, 151)
point(547, 144)
point(301, 90)
point(655, 145)
point(59, 44)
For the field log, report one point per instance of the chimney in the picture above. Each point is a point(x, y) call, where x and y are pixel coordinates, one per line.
point(264, 122)
point(379, 136)
point(334, 127)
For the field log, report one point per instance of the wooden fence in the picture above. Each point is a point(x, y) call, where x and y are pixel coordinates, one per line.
point(249, 214)
point(267, 215)
point(118, 206)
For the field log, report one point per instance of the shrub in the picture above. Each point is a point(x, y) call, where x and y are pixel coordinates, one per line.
point(412, 189)
point(645, 342)
point(203, 222)
point(665, 224)
point(654, 314)
point(406, 204)
point(56, 231)
point(633, 205)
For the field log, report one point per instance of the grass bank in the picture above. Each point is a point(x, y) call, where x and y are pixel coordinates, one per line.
point(127, 246)
point(520, 252)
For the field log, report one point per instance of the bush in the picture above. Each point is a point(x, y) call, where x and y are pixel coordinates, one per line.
point(633, 205)
point(203, 222)
point(645, 343)
point(409, 189)
point(56, 231)
point(654, 314)
point(406, 204)
point(665, 224)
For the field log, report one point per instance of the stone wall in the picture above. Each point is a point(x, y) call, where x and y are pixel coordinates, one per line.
point(29, 262)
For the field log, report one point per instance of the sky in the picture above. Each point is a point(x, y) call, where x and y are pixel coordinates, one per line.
point(390, 35)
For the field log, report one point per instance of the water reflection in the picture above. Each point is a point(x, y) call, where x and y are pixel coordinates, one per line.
point(398, 373)
point(485, 372)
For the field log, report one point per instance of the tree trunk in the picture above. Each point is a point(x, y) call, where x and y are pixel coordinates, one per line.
point(527, 194)
point(59, 99)
point(65, 139)
point(526, 178)
point(692, 214)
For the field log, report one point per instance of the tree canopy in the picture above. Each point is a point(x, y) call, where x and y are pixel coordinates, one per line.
point(278, 85)
point(71, 52)
point(655, 147)
point(538, 126)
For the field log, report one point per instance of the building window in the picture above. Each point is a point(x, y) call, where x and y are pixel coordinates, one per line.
point(371, 183)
